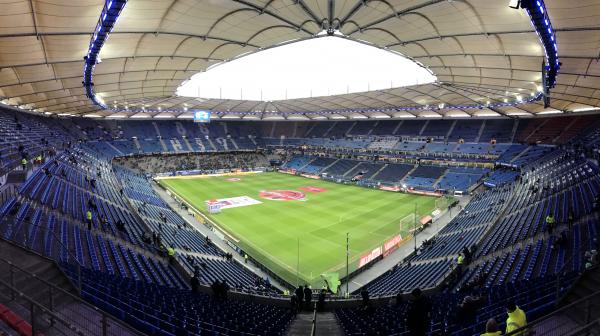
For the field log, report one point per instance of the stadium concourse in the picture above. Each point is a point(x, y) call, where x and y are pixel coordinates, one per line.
point(487, 119)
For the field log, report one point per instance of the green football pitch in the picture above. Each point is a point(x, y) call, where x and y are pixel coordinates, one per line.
point(299, 239)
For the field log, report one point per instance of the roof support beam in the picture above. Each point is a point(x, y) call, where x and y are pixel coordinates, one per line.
point(265, 11)
point(460, 35)
point(331, 12)
point(397, 14)
point(308, 11)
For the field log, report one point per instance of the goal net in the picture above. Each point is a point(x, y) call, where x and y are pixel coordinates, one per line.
point(407, 224)
point(442, 203)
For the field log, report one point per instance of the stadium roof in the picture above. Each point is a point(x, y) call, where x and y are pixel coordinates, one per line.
point(483, 53)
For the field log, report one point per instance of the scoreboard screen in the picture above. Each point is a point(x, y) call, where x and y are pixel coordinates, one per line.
point(202, 116)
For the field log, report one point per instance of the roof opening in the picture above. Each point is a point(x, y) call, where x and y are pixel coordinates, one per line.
point(323, 66)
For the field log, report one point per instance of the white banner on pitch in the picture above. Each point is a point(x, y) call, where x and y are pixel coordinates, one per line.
point(233, 202)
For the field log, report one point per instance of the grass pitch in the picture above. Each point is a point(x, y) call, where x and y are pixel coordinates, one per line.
point(271, 231)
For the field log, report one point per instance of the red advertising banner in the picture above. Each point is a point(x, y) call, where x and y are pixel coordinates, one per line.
point(369, 256)
point(316, 177)
point(391, 245)
point(422, 192)
point(388, 188)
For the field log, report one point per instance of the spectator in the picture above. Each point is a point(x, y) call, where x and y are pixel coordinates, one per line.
point(417, 316)
point(516, 319)
point(307, 296)
point(121, 226)
point(294, 303)
point(88, 216)
point(300, 295)
point(364, 293)
point(171, 253)
point(459, 262)
point(321, 300)
point(467, 310)
point(491, 328)
point(195, 283)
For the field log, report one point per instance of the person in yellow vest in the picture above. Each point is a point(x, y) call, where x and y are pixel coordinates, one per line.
point(24, 163)
point(245, 258)
point(38, 159)
point(460, 260)
point(516, 318)
point(88, 217)
point(171, 253)
point(491, 328)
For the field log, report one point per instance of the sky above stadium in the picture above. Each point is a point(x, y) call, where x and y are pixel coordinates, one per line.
point(323, 66)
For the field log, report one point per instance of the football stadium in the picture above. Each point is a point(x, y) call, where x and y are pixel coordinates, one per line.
point(299, 167)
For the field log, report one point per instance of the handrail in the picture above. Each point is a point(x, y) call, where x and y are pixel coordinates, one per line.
point(62, 247)
point(558, 278)
point(556, 312)
point(584, 328)
point(33, 305)
point(313, 329)
point(105, 320)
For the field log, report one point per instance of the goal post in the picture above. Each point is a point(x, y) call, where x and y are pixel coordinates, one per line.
point(441, 203)
point(407, 224)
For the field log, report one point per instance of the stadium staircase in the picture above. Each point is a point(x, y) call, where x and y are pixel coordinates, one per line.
point(326, 324)
point(379, 171)
point(39, 284)
point(520, 154)
point(329, 166)
point(513, 132)
point(114, 148)
point(136, 142)
point(352, 169)
point(480, 131)
point(329, 129)
point(349, 131)
point(540, 126)
point(423, 128)
point(212, 145)
point(235, 145)
point(398, 126)
point(435, 184)
point(307, 164)
point(373, 128)
point(450, 129)
point(188, 145)
point(565, 130)
point(409, 172)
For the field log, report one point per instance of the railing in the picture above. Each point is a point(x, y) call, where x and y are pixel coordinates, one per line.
point(7, 192)
point(313, 329)
point(590, 329)
point(58, 251)
point(581, 317)
point(45, 305)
